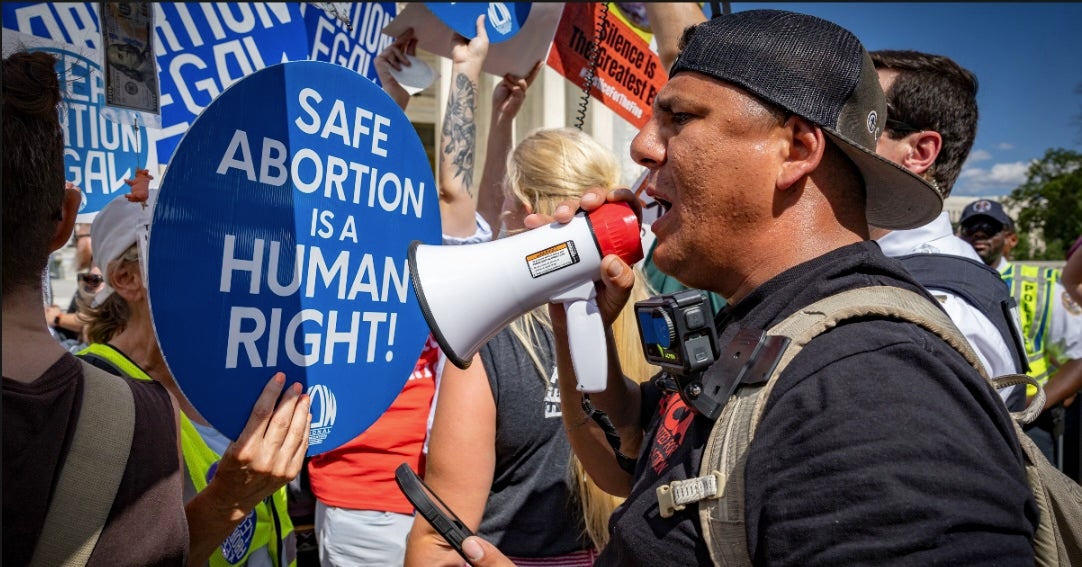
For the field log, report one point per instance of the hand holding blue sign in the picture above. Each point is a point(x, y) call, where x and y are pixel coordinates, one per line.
point(268, 454)
point(269, 451)
point(525, 40)
point(473, 48)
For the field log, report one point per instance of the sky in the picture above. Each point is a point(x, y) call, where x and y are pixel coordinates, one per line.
point(1028, 62)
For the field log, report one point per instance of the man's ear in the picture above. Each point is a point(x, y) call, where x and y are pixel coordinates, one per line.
point(806, 144)
point(923, 150)
point(69, 209)
point(1010, 241)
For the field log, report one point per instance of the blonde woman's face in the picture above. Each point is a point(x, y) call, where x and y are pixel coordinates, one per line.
point(513, 215)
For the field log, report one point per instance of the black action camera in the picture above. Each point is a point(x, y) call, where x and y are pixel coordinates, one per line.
point(678, 334)
point(677, 331)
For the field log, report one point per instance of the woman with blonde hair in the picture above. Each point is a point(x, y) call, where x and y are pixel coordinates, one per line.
point(534, 187)
point(521, 489)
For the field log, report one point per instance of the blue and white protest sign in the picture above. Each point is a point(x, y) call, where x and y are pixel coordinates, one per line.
point(99, 153)
point(201, 48)
point(204, 47)
point(348, 33)
point(516, 55)
point(502, 19)
point(73, 23)
point(279, 242)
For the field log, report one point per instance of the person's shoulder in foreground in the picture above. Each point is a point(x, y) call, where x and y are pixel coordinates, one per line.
point(43, 385)
point(872, 430)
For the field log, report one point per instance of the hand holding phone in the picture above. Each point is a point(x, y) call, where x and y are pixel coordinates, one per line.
point(429, 505)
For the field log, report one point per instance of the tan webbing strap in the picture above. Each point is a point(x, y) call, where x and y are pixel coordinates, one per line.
point(722, 518)
point(91, 472)
point(1035, 407)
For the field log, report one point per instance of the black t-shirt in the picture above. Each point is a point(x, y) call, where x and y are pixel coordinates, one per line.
point(530, 511)
point(879, 445)
point(146, 523)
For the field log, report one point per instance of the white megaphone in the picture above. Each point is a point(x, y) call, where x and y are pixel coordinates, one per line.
point(468, 293)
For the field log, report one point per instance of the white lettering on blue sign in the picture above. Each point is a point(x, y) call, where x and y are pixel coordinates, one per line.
point(269, 336)
point(324, 407)
point(203, 48)
point(354, 49)
point(337, 122)
point(306, 214)
point(75, 23)
point(310, 172)
point(365, 279)
point(99, 152)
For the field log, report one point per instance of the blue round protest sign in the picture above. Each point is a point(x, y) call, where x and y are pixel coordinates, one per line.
point(279, 243)
point(502, 19)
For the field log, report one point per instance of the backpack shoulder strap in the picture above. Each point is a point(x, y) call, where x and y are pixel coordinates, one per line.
point(722, 513)
point(91, 472)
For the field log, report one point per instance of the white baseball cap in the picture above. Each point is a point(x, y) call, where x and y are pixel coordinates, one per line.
point(116, 228)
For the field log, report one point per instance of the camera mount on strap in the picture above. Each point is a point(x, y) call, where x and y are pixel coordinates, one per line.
point(678, 335)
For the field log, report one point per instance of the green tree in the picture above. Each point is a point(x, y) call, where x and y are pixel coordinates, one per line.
point(1050, 205)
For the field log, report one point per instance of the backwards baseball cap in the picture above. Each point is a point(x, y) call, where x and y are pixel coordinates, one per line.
point(116, 228)
point(986, 208)
point(819, 71)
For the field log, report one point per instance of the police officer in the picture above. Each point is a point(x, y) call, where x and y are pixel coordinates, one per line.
point(1050, 320)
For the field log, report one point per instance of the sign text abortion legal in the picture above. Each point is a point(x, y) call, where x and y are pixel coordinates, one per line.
point(99, 153)
point(279, 242)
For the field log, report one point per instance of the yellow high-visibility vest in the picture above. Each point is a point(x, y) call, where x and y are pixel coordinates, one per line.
point(1032, 288)
point(255, 531)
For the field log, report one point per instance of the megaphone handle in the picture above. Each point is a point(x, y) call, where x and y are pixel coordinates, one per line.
point(586, 339)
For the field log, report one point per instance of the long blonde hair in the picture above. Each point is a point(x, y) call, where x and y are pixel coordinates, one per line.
point(547, 167)
point(597, 505)
point(550, 166)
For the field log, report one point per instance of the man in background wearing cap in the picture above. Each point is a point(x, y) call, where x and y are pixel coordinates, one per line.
point(930, 127)
point(1051, 322)
point(879, 440)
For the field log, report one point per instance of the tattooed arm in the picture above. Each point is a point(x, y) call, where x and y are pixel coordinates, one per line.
point(458, 136)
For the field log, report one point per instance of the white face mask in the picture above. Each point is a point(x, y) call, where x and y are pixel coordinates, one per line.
point(142, 242)
point(503, 230)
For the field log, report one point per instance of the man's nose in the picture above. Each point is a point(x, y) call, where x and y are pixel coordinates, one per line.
point(647, 149)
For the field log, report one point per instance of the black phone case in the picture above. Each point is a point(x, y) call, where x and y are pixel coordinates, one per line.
point(449, 526)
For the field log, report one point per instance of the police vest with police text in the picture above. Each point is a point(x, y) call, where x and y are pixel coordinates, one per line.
point(1032, 288)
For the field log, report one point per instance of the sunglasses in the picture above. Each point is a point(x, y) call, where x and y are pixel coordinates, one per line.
point(92, 280)
point(990, 228)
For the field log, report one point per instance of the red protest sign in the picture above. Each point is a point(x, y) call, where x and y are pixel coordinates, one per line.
point(628, 74)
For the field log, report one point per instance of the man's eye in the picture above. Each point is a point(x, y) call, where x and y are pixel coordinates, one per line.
point(681, 117)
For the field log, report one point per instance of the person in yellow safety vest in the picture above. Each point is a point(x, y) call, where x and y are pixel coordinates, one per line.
point(122, 342)
point(1049, 319)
